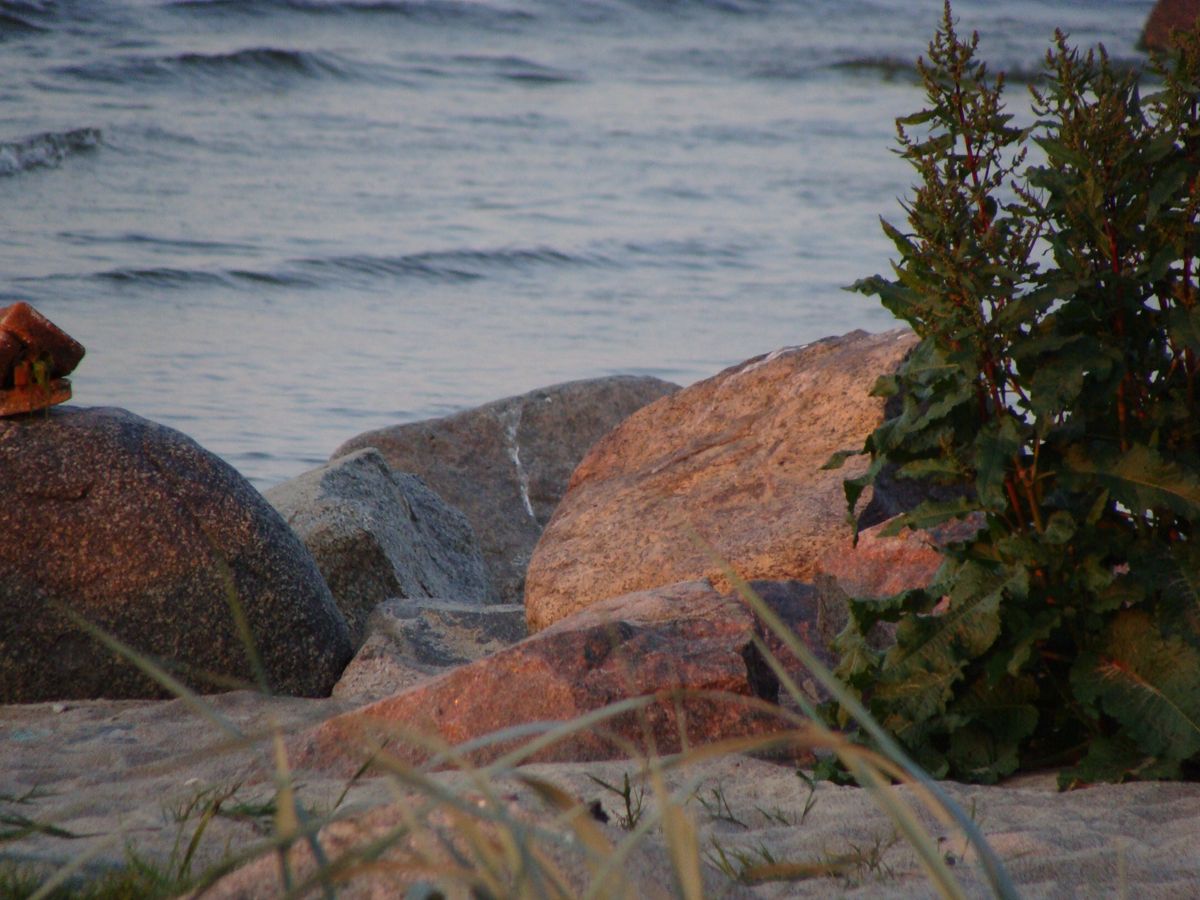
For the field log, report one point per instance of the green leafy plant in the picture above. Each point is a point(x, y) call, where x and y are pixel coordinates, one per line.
point(1050, 273)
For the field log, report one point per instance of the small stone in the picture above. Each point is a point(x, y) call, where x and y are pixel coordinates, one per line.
point(40, 335)
point(35, 355)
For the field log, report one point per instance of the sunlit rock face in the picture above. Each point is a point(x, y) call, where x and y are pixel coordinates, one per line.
point(684, 636)
point(731, 464)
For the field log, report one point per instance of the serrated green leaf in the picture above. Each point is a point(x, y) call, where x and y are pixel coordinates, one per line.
point(932, 513)
point(1060, 528)
point(856, 658)
point(838, 458)
point(1141, 478)
point(917, 118)
point(1161, 262)
point(995, 447)
point(932, 650)
point(908, 699)
point(995, 720)
point(885, 386)
point(1148, 683)
point(897, 237)
point(1116, 758)
point(867, 611)
point(1098, 508)
point(930, 468)
point(1026, 631)
point(1165, 187)
point(1183, 325)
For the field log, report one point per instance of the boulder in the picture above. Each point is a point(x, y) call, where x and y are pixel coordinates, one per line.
point(735, 461)
point(1168, 16)
point(138, 530)
point(377, 534)
point(506, 464)
point(882, 565)
point(684, 636)
point(411, 640)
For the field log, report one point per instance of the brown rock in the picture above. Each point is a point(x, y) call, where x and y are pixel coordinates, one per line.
point(1168, 16)
point(140, 531)
point(11, 349)
point(735, 459)
point(27, 340)
point(506, 464)
point(881, 566)
point(681, 636)
point(41, 335)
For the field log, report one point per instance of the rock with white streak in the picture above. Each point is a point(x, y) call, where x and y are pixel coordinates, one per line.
point(506, 464)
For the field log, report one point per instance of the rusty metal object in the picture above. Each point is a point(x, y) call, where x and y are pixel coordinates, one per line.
point(35, 358)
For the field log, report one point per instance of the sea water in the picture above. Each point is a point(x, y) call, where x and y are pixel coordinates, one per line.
point(278, 223)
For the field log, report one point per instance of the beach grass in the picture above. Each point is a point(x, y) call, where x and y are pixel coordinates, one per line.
point(453, 828)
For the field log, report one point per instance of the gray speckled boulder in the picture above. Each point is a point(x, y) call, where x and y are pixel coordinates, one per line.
point(142, 532)
point(377, 534)
point(506, 464)
point(411, 640)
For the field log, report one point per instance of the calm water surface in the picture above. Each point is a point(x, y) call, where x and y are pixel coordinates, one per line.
point(278, 223)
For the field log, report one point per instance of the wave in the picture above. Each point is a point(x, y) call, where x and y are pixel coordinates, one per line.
point(892, 68)
point(24, 16)
point(689, 253)
point(256, 63)
point(449, 266)
point(443, 265)
point(732, 7)
point(436, 11)
point(46, 150)
point(12, 22)
point(517, 68)
point(80, 238)
point(166, 277)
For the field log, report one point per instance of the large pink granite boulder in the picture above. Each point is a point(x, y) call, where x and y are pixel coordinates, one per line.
point(684, 636)
point(735, 460)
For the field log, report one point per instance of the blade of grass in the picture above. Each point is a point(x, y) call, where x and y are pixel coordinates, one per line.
point(156, 672)
point(999, 879)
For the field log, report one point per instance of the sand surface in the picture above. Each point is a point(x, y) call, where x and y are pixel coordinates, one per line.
point(137, 773)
